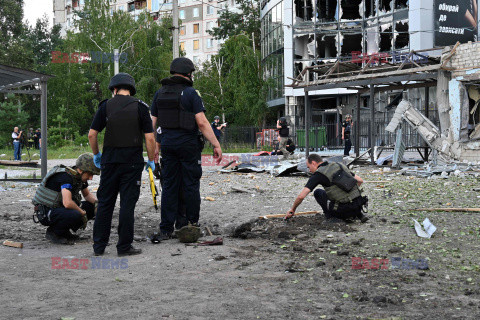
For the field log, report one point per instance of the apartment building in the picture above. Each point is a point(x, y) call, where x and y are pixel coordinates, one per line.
point(197, 17)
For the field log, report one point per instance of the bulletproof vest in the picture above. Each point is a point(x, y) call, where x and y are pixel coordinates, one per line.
point(53, 199)
point(171, 112)
point(123, 123)
point(336, 191)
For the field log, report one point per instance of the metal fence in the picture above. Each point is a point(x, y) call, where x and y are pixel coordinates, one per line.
point(327, 135)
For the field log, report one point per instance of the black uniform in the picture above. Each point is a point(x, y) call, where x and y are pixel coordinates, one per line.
point(61, 219)
point(346, 135)
point(181, 150)
point(126, 120)
point(343, 211)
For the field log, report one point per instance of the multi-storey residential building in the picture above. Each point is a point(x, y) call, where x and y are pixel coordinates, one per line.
point(197, 17)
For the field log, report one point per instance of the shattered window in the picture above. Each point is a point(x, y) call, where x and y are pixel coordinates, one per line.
point(401, 4)
point(401, 35)
point(386, 38)
point(369, 8)
point(351, 9)
point(473, 126)
point(327, 10)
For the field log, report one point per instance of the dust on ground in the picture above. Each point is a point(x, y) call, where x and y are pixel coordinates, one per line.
point(271, 269)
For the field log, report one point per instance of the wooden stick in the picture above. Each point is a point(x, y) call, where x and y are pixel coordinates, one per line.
point(14, 244)
point(450, 209)
point(269, 216)
point(377, 181)
point(208, 230)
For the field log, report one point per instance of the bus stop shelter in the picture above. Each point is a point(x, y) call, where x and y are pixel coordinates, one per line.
point(21, 81)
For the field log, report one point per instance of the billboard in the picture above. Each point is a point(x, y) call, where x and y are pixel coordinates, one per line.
point(455, 20)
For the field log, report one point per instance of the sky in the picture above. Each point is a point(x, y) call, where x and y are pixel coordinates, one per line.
point(34, 9)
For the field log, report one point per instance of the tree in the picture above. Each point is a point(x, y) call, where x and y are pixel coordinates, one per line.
point(233, 83)
point(42, 41)
point(247, 21)
point(10, 117)
point(144, 45)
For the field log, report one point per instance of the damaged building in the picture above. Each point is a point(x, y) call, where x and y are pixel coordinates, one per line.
point(303, 39)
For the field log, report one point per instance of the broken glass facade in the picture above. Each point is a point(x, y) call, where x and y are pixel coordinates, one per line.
point(272, 50)
point(327, 30)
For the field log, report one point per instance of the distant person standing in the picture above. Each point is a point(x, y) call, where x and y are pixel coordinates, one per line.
point(283, 134)
point(346, 132)
point(36, 138)
point(17, 149)
point(217, 127)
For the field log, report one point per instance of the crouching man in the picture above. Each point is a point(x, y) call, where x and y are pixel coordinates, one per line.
point(341, 197)
point(58, 202)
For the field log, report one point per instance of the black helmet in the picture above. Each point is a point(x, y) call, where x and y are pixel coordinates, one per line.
point(123, 79)
point(283, 120)
point(216, 117)
point(181, 65)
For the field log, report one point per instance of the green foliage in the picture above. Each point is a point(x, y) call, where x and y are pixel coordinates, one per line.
point(232, 83)
point(42, 41)
point(10, 117)
point(247, 22)
point(77, 89)
point(11, 29)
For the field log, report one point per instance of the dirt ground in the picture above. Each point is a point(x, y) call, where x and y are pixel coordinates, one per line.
point(266, 269)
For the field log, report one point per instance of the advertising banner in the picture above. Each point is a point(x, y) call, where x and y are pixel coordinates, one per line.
point(455, 20)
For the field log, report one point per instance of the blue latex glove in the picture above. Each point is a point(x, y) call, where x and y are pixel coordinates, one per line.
point(150, 164)
point(97, 158)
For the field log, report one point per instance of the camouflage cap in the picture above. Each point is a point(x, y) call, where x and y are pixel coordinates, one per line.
point(85, 163)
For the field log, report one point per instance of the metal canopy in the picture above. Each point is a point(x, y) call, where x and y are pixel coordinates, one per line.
point(11, 80)
point(371, 76)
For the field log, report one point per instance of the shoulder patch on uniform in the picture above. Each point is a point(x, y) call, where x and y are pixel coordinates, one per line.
point(143, 103)
point(198, 92)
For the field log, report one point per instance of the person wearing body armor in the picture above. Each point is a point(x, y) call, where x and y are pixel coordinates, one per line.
point(283, 134)
point(341, 197)
point(178, 109)
point(217, 127)
point(58, 198)
point(127, 122)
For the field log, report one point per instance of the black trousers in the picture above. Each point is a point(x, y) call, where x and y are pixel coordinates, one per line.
point(344, 211)
point(181, 171)
point(348, 146)
point(117, 178)
point(63, 219)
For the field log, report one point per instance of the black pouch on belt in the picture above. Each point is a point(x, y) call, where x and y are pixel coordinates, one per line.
point(41, 215)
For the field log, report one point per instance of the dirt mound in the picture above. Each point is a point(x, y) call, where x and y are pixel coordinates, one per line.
point(274, 229)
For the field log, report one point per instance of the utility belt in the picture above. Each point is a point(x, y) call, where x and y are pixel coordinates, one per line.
point(358, 202)
point(42, 214)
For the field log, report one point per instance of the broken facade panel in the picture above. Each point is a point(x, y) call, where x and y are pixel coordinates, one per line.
point(402, 37)
point(327, 10)
point(386, 39)
point(304, 9)
point(351, 9)
point(370, 8)
point(401, 4)
point(351, 43)
point(327, 45)
point(385, 5)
